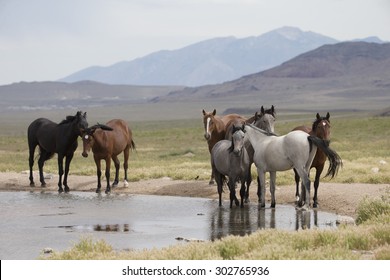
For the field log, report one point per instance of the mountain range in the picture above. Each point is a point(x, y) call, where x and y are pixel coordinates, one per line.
point(343, 75)
point(340, 76)
point(208, 62)
point(211, 61)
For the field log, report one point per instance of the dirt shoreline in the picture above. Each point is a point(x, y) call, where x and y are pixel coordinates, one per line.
point(341, 199)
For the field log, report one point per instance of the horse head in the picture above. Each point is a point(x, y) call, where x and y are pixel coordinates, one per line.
point(321, 126)
point(81, 121)
point(88, 137)
point(208, 123)
point(238, 134)
point(265, 119)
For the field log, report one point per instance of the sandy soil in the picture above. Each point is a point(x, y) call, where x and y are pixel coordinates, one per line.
point(341, 199)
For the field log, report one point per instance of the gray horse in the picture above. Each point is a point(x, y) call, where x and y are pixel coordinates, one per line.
point(293, 150)
point(230, 158)
point(265, 120)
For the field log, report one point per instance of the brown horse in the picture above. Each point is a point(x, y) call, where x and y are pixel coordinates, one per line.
point(321, 129)
point(107, 142)
point(215, 129)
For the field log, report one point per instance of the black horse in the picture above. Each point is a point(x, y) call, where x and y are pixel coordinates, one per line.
point(55, 138)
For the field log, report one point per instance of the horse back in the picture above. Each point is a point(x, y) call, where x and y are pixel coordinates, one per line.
point(42, 132)
point(121, 135)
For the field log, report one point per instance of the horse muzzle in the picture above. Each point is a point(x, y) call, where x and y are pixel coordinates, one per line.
point(207, 136)
point(85, 154)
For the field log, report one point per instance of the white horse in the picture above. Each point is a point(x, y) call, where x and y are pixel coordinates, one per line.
point(279, 153)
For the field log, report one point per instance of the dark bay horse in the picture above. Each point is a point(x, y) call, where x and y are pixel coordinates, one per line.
point(107, 142)
point(55, 138)
point(321, 129)
point(280, 153)
point(230, 158)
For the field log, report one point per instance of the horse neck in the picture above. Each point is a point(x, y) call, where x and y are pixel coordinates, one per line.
point(100, 142)
point(70, 131)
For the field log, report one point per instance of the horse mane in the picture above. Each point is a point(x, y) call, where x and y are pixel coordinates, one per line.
point(70, 119)
point(261, 130)
point(234, 130)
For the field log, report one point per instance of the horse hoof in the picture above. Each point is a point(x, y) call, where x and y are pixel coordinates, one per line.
point(98, 191)
point(60, 190)
point(273, 205)
point(67, 190)
point(32, 185)
point(211, 182)
point(125, 183)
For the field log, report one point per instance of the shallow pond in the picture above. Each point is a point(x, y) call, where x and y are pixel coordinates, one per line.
point(32, 221)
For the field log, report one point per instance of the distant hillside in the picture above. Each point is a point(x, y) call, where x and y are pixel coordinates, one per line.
point(58, 95)
point(343, 75)
point(350, 58)
point(208, 62)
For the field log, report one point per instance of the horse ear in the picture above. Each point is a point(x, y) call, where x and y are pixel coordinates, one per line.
point(327, 116)
point(204, 112)
point(272, 109)
point(214, 112)
point(318, 116)
point(262, 110)
point(85, 115)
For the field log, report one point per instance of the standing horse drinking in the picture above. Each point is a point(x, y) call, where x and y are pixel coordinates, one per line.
point(230, 158)
point(55, 138)
point(293, 150)
point(107, 142)
point(321, 129)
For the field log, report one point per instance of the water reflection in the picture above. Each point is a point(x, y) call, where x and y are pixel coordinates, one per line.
point(245, 221)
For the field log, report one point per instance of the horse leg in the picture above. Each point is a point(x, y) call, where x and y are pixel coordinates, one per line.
point(44, 155)
point(297, 179)
point(126, 153)
point(108, 166)
point(117, 166)
point(98, 174)
point(68, 159)
point(219, 181)
point(272, 188)
point(248, 183)
point(60, 172)
point(232, 190)
point(317, 184)
point(31, 163)
point(305, 189)
point(261, 187)
point(243, 193)
point(212, 177)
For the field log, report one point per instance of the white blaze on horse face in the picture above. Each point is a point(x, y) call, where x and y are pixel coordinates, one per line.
point(207, 134)
point(324, 123)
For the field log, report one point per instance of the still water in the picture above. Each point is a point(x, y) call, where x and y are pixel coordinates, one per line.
point(32, 221)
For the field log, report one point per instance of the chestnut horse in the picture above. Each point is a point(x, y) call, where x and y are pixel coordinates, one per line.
point(55, 138)
point(321, 129)
point(107, 142)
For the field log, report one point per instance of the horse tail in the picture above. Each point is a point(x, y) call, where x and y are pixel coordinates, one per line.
point(132, 145)
point(335, 161)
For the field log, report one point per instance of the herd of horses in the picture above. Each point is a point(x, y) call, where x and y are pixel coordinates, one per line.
point(234, 143)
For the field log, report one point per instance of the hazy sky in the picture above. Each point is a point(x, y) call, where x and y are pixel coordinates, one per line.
point(44, 40)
